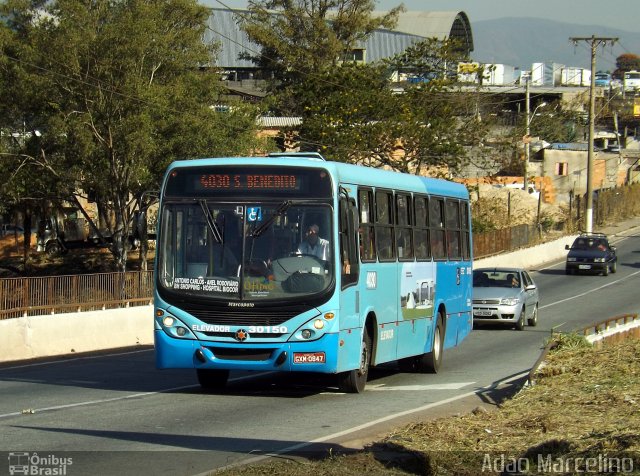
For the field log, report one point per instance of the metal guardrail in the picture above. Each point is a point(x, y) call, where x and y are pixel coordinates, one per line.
point(74, 293)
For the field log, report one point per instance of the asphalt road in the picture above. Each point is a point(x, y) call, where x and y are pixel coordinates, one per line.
point(116, 414)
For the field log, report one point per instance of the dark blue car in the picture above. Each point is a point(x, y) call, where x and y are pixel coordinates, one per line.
point(591, 253)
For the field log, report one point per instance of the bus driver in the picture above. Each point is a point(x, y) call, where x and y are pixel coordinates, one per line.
point(314, 245)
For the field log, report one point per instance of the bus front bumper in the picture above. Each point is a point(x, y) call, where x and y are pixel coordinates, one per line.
point(313, 356)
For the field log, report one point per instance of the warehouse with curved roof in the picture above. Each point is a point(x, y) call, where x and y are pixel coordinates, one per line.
point(411, 28)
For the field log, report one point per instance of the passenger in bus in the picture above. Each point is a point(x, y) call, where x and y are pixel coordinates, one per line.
point(314, 245)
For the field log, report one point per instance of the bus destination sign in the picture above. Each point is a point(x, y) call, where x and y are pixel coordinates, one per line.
point(250, 182)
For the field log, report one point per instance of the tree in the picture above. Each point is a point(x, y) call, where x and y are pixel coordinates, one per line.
point(23, 103)
point(351, 114)
point(626, 62)
point(125, 97)
point(347, 113)
point(302, 38)
point(556, 123)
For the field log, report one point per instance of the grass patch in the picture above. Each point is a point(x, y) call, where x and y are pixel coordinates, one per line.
point(584, 409)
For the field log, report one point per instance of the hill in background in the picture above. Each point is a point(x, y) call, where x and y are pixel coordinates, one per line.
point(520, 42)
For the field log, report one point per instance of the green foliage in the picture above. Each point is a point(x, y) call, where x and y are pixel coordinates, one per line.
point(431, 59)
point(347, 112)
point(569, 341)
point(488, 214)
point(626, 62)
point(305, 40)
point(555, 123)
point(116, 91)
point(351, 114)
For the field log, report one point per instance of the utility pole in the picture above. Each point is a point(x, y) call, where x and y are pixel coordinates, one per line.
point(593, 42)
point(527, 134)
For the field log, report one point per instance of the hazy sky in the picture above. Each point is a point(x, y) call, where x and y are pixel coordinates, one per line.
point(620, 14)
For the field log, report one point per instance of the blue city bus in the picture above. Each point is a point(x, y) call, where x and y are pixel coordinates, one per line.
point(234, 290)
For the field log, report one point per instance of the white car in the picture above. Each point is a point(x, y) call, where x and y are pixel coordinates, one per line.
point(504, 296)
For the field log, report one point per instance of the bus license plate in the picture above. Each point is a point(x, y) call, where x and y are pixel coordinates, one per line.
point(309, 358)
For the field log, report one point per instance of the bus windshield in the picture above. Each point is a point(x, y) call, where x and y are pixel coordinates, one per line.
point(234, 252)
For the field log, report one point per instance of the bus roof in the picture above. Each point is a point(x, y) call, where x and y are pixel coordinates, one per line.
point(345, 173)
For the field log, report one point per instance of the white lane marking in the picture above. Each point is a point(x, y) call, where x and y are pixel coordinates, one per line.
point(366, 425)
point(610, 283)
point(62, 360)
point(92, 402)
point(115, 399)
point(420, 388)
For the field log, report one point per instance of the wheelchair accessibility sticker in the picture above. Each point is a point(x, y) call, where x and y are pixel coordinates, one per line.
point(254, 214)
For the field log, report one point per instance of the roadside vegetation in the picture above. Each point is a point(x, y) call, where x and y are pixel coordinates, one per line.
point(583, 409)
point(135, 89)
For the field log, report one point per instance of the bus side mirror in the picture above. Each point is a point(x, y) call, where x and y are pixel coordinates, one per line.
point(141, 223)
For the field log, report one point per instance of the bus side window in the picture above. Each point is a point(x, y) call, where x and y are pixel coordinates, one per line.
point(384, 226)
point(350, 266)
point(404, 236)
point(452, 215)
point(366, 230)
point(421, 229)
point(464, 220)
point(436, 228)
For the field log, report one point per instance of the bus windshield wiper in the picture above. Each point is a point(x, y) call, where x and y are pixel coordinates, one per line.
point(213, 228)
point(284, 206)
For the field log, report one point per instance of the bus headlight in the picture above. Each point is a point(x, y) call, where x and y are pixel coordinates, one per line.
point(168, 321)
point(172, 326)
point(315, 328)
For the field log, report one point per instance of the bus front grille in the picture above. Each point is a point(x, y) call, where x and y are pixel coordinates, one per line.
point(241, 354)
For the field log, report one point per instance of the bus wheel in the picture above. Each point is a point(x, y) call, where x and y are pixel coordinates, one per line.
point(354, 381)
point(212, 379)
point(430, 362)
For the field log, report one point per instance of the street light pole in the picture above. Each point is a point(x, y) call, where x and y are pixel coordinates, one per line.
point(527, 135)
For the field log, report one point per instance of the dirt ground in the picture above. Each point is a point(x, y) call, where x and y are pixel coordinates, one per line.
point(509, 207)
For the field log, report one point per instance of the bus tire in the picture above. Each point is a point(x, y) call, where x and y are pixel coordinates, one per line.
point(354, 381)
point(431, 361)
point(212, 379)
